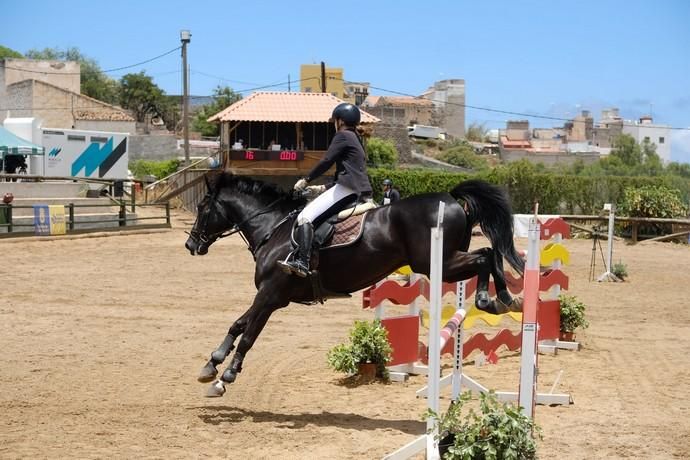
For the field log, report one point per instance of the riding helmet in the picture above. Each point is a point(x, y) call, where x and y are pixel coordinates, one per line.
point(388, 182)
point(348, 113)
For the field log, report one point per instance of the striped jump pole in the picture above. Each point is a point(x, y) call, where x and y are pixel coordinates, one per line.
point(528, 355)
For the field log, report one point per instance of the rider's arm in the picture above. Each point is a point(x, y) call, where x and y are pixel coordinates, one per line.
point(336, 149)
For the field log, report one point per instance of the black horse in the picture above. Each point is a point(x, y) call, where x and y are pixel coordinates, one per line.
point(393, 236)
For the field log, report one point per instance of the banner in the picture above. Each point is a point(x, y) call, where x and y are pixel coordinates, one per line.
point(49, 219)
point(41, 219)
point(57, 219)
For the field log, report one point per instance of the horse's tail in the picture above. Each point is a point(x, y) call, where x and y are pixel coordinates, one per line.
point(489, 206)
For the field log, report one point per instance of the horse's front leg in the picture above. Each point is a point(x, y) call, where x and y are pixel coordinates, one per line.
point(256, 318)
point(209, 371)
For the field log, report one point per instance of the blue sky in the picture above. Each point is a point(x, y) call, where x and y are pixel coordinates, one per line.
point(540, 57)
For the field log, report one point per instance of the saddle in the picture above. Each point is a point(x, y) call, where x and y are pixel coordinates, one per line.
point(341, 230)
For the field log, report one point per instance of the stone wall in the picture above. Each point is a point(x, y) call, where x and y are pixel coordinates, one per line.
point(107, 125)
point(158, 147)
point(397, 134)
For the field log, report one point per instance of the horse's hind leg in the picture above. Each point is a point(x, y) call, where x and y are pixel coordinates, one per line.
point(502, 294)
point(464, 265)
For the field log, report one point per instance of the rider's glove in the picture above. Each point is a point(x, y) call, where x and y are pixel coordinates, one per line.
point(315, 189)
point(300, 185)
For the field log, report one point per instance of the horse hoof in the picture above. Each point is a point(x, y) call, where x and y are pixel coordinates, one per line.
point(216, 390)
point(482, 302)
point(516, 304)
point(207, 374)
point(229, 376)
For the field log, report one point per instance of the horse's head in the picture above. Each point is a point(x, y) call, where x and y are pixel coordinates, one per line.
point(211, 222)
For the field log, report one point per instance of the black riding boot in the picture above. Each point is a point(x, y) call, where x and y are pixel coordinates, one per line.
point(299, 265)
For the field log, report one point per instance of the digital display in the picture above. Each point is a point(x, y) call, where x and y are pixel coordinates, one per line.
point(267, 155)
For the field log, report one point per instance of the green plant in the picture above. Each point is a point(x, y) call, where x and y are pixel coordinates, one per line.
point(498, 431)
point(368, 343)
point(159, 169)
point(572, 313)
point(462, 154)
point(381, 152)
point(620, 270)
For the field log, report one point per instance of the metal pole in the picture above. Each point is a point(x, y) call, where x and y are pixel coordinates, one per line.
point(185, 37)
point(323, 77)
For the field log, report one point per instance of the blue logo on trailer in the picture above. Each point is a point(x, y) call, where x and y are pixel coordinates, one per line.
point(54, 152)
point(92, 157)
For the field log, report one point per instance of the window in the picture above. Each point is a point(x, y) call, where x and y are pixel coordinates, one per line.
point(99, 139)
point(72, 137)
point(646, 138)
point(661, 140)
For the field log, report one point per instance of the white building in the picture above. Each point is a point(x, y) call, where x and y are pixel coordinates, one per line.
point(659, 135)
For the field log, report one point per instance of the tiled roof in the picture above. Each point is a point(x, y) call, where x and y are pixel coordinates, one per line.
point(285, 107)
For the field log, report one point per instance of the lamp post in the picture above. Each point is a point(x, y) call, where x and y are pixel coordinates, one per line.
point(185, 38)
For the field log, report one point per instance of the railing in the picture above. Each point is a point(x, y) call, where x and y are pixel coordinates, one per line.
point(7, 220)
point(634, 222)
point(186, 183)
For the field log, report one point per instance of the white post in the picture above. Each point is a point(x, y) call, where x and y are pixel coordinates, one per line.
point(528, 356)
point(608, 274)
point(435, 294)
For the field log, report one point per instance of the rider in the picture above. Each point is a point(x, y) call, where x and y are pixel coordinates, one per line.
point(390, 194)
point(350, 181)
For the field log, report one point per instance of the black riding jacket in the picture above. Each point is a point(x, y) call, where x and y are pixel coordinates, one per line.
point(347, 153)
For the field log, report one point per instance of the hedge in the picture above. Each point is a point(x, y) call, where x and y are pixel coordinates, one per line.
point(556, 193)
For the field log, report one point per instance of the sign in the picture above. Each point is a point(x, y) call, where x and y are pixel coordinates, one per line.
point(49, 220)
point(267, 155)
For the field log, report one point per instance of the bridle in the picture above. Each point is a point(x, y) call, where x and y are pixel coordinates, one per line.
point(206, 239)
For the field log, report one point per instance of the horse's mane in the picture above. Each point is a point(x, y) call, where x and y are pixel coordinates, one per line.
point(265, 191)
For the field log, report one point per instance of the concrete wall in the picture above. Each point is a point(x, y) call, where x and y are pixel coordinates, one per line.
point(449, 98)
point(107, 125)
point(657, 134)
point(62, 74)
point(158, 147)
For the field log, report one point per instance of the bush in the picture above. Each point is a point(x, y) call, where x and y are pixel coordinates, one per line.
point(381, 152)
point(368, 344)
point(159, 169)
point(652, 201)
point(499, 431)
point(572, 313)
point(462, 154)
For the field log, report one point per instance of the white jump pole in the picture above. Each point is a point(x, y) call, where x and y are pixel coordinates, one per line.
point(435, 294)
point(528, 354)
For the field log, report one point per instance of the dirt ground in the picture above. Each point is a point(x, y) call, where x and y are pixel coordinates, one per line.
point(101, 340)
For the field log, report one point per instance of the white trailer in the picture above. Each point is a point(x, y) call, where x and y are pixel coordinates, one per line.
point(79, 153)
point(428, 132)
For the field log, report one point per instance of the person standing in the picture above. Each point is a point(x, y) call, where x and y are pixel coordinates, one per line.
point(350, 181)
point(390, 194)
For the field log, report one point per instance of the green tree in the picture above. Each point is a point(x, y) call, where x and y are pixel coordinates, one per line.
point(94, 83)
point(626, 149)
point(142, 96)
point(9, 53)
point(462, 154)
point(476, 132)
point(381, 152)
point(223, 97)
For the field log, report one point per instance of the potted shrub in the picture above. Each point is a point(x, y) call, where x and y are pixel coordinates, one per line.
point(498, 431)
point(572, 316)
point(367, 352)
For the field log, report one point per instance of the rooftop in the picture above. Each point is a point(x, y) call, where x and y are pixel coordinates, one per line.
point(285, 107)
